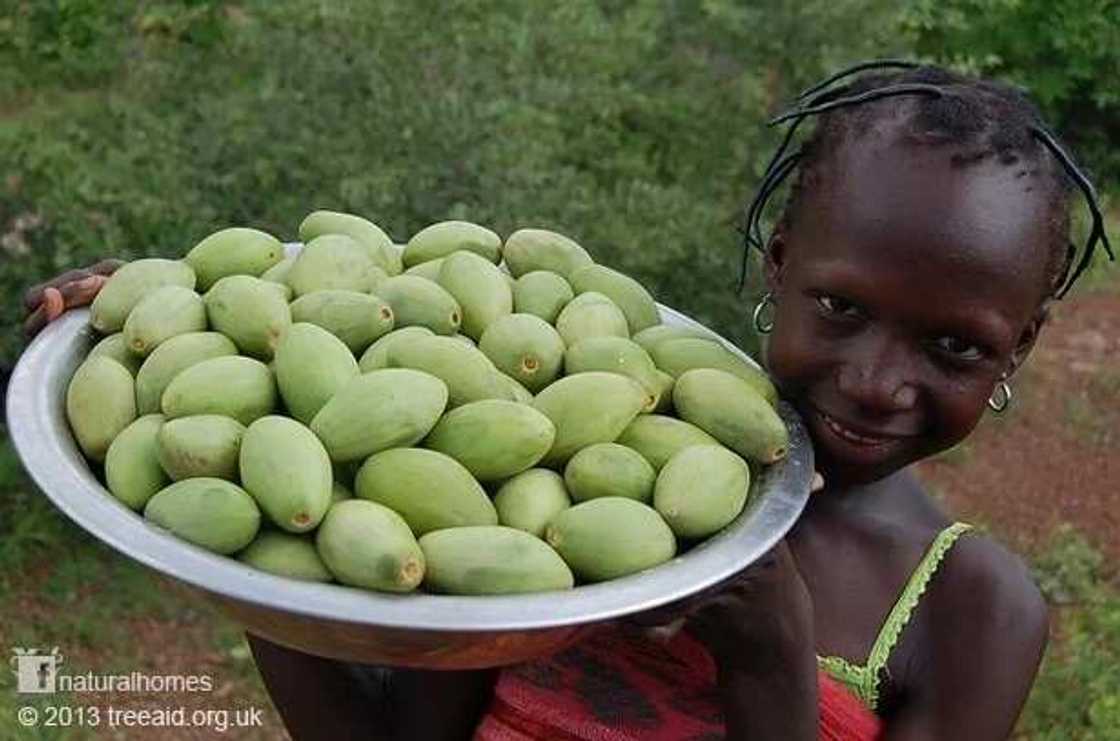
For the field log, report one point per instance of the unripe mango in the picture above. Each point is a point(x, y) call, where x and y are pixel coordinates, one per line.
point(591, 315)
point(376, 355)
point(428, 270)
point(659, 438)
point(519, 393)
point(211, 513)
point(129, 284)
point(732, 411)
point(132, 469)
point(233, 386)
point(610, 537)
point(100, 403)
point(526, 348)
point(278, 273)
point(530, 500)
point(466, 371)
point(172, 357)
point(373, 239)
point(284, 554)
point(200, 445)
point(233, 251)
point(651, 337)
point(701, 490)
point(479, 287)
point(340, 493)
point(491, 560)
point(358, 319)
point(588, 408)
point(615, 355)
point(250, 312)
point(334, 261)
point(541, 293)
point(428, 489)
point(312, 365)
point(441, 239)
point(365, 544)
point(609, 470)
point(417, 301)
point(628, 294)
point(115, 347)
point(493, 439)
point(382, 409)
point(527, 250)
point(665, 384)
point(161, 315)
point(288, 472)
point(679, 355)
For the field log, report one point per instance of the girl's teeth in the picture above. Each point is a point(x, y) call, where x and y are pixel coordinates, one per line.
point(847, 434)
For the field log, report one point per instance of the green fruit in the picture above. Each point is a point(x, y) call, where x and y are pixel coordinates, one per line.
point(311, 366)
point(659, 438)
point(334, 261)
point(278, 273)
point(115, 348)
point(527, 250)
point(541, 293)
point(282, 290)
point(171, 358)
point(161, 315)
point(428, 270)
point(530, 500)
point(376, 355)
point(665, 384)
point(526, 348)
point(701, 490)
point(519, 393)
point(493, 439)
point(214, 514)
point(200, 445)
point(233, 251)
point(428, 489)
point(287, 470)
point(132, 469)
point(491, 559)
point(615, 355)
point(651, 337)
point(420, 302)
point(234, 386)
point(591, 315)
point(284, 554)
point(364, 544)
point(377, 244)
point(340, 493)
point(126, 287)
point(466, 371)
point(440, 240)
point(383, 409)
point(479, 287)
point(250, 312)
point(358, 319)
point(588, 408)
point(733, 412)
point(610, 537)
point(100, 403)
point(679, 355)
point(628, 294)
point(609, 470)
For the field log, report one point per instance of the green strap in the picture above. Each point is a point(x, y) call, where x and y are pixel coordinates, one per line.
point(864, 680)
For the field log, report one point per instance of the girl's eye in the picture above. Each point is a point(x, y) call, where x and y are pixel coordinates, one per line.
point(835, 306)
point(958, 349)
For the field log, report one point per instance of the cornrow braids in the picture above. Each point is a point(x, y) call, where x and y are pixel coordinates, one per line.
point(980, 119)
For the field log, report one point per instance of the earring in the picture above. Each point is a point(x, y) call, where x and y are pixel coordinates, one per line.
point(767, 300)
point(1000, 398)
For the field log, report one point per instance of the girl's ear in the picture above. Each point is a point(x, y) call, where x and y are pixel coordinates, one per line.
point(774, 260)
point(1027, 339)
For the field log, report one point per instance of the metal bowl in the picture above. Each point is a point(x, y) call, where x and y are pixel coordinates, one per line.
point(417, 630)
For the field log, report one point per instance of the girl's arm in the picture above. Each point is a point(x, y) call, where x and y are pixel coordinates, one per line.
point(47, 301)
point(320, 699)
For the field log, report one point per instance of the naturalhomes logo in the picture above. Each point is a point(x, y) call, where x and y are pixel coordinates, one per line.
point(38, 672)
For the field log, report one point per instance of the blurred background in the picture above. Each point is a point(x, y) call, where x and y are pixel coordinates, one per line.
point(637, 127)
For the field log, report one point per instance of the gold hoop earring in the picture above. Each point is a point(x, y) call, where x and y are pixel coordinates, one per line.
point(1000, 398)
point(766, 301)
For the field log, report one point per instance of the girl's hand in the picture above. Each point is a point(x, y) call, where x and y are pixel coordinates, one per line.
point(47, 301)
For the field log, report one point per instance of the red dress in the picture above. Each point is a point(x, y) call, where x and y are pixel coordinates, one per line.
point(617, 685)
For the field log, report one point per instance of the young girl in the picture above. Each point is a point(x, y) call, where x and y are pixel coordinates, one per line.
point(908, 278)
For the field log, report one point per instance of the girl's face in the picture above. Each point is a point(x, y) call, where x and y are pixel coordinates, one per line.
point(904, 291)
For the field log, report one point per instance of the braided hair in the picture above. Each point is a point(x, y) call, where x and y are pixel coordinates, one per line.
point(978, 119)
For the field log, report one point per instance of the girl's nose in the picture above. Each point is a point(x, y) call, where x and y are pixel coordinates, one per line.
point(878, 381)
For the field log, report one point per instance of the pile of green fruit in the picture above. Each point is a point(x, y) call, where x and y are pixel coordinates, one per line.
point(391, 417)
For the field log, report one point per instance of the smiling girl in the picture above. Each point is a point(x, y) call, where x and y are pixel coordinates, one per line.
point(909, 275)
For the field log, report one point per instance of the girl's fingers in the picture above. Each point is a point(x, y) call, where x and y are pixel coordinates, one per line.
point(34, 295)
point(107, 266)
point(817, 483)
point(51, 306)
point(82, 292)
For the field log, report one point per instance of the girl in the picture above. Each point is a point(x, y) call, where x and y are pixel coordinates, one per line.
point(908, 278)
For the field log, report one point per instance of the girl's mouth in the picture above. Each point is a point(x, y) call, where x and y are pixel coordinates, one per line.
point(850, 435)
